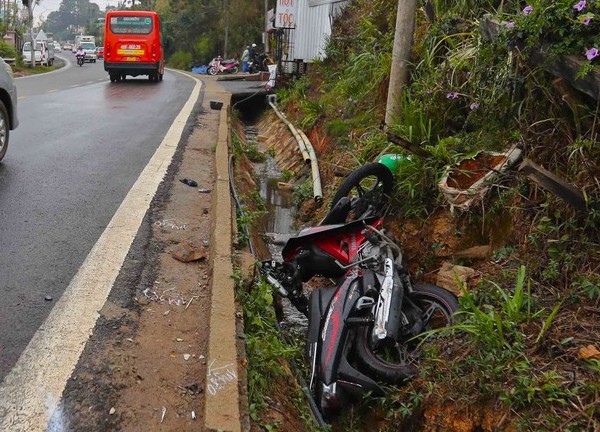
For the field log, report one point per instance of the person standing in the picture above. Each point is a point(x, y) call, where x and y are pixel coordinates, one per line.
point(245, 58)
point(253, 52)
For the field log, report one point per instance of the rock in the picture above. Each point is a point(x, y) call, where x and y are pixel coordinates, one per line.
point(448, 275)
point(285, 186)
point(112, 411)
point(475, 252)
point(187, 252)
point(589, 352)
point(186, 357)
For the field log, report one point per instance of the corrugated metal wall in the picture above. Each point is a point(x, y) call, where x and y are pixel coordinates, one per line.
point(313, 27)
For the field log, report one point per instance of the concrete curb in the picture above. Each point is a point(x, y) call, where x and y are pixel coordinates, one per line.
point(222, 395)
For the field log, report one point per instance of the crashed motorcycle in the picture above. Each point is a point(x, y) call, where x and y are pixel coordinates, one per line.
point(364, 330)
point(219, 65)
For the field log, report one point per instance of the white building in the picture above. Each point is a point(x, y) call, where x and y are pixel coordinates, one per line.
point(300, 30)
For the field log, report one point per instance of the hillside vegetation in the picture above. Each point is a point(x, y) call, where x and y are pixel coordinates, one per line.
point(525, 353)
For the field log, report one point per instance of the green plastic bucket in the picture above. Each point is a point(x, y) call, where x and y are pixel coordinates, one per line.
point(394, 161)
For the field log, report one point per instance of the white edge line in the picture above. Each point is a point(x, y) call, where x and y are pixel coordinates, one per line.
point(31, 391)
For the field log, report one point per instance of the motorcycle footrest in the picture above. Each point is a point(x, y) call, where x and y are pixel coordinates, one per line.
point(359, 321)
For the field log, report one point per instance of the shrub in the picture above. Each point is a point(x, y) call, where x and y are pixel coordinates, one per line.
point(181, 60)
point(7, 50)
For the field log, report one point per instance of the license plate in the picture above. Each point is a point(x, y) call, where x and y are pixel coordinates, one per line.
point(131, 59)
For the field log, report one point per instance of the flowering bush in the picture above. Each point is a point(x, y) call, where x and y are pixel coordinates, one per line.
point(561, 26)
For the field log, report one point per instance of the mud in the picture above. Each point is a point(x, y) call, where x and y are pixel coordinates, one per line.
point(144, 367)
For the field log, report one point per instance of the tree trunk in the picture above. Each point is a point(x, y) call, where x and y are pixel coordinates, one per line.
point(403, 41)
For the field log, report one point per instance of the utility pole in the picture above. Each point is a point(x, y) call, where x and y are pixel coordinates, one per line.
point(30, 13)
point(403, 42)
point(266, 36)
point(226, 42)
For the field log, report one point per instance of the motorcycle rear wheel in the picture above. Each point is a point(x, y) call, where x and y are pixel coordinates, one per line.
point(438, 304)
point(369, 188)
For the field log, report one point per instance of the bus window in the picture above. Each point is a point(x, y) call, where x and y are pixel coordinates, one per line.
point(131, 25)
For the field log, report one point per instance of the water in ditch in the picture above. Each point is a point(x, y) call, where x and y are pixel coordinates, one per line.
point(278, 225)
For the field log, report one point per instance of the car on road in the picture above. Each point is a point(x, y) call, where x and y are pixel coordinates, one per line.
point(100, 52)
point(90, 51)
point(57, 47)
point(8, 105)
point(67, 46)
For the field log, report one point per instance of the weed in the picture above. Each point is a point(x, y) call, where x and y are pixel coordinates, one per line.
point(302, 192)
point(263, 345)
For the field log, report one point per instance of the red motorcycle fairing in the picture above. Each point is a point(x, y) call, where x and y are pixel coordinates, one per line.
point(339, 242)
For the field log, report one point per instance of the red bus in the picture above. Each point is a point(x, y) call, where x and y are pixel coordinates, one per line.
point(133, 45)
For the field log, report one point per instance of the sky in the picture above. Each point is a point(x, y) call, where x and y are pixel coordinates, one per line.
point(42, 10)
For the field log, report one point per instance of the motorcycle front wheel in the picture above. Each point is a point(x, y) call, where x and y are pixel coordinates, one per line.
point(437, 307)
point(212, 70)
point(369, 189)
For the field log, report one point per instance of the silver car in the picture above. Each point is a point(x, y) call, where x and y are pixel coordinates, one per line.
point(8, 105)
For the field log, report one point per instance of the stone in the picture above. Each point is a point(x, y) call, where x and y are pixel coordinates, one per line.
point(475, 252)
point(589, 352)
point(448, 275)
point(187, 252)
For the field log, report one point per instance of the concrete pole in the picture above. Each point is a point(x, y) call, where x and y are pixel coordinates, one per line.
point(226, 43)
point(30, 9)
point(266, 35)
point(403, 42)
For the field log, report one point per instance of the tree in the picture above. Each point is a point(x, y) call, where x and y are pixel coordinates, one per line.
point(73, 17)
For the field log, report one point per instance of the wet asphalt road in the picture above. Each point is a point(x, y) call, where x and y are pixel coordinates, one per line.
point(81, 144)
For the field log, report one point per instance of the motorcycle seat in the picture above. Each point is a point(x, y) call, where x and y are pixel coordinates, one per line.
point(228, 61)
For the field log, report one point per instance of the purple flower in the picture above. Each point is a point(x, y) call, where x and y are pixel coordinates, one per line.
point(510, 24)
point(580, 6)
point(586, 19)
point(527, 10)
point(592, 53)
point(474, 106)
point(428, 91)
point(451, 95)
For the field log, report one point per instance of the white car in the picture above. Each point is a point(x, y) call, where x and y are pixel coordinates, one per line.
point(44, 53)
point(57, 47)
point(8, 105)
point(90, 51)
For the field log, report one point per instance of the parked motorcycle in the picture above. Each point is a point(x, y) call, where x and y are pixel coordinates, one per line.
point(80, 60)
point(219, 65)
point(260, 63)
point(365, 329)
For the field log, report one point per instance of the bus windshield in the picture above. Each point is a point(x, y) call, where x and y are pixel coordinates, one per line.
point(131, 25)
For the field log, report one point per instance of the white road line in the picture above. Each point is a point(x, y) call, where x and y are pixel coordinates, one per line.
point(30, 393)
